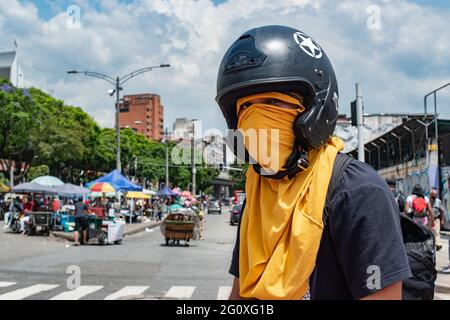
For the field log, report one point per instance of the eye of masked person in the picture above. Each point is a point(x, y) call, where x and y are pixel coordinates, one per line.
point(267, 101)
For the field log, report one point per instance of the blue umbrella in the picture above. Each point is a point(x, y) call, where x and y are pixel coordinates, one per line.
point(118, 181)
point(166, 192)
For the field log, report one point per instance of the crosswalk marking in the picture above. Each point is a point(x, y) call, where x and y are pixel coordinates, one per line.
point(6, 284)
point(77, 293)
point(441, 296)
point(174, 292)
point(179, 292)
point(127, 291)
point(23, 293)
point(224, 293)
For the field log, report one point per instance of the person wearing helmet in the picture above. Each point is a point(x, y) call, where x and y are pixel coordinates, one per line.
point(278, 92)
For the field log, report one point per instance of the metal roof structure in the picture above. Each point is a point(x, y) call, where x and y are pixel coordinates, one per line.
point(405, 142)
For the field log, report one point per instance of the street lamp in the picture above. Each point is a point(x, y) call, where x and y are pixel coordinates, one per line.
point(117, 83)
point(435, 112)
point(194, 170)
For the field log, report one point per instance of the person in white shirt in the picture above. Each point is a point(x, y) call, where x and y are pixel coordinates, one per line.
point(425, 216)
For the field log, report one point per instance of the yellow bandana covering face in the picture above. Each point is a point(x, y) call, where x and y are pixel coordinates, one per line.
point(267, 129)
point(281, 227)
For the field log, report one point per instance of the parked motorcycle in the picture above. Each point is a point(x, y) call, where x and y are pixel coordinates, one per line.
point(14, 225)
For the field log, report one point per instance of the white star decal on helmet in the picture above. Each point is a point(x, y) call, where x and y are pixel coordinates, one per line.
point(308, 45)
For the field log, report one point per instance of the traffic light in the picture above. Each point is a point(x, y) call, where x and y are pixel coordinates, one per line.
point(353, 113)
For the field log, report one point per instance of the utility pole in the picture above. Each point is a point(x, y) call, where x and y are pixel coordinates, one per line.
point(360, 123)
point(11, 176)
point(194, 170)
point(135, 167)
point(118, 163)
point(167, 158)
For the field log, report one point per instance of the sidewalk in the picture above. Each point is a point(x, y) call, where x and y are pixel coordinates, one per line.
point(129, 230)
point(442, 260)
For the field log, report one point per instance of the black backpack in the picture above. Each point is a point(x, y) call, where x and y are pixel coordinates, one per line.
point(419, 244)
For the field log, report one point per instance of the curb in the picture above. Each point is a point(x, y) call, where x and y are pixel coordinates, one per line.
point(70, 236)
point(441, 288)
point(142, 228)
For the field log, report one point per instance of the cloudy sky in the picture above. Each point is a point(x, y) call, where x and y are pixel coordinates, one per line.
point(398, 50)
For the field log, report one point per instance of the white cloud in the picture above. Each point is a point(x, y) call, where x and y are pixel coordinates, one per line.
point(396, 65)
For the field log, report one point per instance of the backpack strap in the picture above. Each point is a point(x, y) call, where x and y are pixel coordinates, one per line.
point(340, 164)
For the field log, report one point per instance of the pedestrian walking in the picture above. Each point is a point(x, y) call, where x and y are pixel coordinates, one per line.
point(399, 197)
point(155, 209)
point(277, 88)
point(418, 207)
point(439, 216)
point(81, 225)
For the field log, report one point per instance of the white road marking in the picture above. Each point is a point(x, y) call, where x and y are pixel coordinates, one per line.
point(441, 296)
point(224, 293)
point(20, 294)
point(179, 292)
point(127, 291)
point(77, 293)
point(6, 284)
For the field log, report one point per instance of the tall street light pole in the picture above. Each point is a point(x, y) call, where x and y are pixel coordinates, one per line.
point(167, 156)
point(194, 170)
point(117, 83)
point(436, 132)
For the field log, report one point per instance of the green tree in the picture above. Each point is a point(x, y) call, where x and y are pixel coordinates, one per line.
point(17, 115)
point(238, 177)
point(37, 171)
point(65, 137)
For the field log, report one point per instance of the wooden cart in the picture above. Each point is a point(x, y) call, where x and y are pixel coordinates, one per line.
point(176, 227)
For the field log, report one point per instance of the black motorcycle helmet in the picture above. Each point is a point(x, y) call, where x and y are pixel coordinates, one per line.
point(279, 58)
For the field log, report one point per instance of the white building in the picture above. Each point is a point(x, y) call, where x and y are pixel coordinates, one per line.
point(183, 128)
point(10, 68)
point(375, 125)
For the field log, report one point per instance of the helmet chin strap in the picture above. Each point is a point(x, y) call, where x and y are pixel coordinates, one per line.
point(297, 162)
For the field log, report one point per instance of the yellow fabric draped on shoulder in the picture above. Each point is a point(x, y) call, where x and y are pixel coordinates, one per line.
point(281, 228)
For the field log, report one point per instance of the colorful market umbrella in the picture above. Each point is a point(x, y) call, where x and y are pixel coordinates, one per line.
point(118, 181)
point(137, 195)
point(177, 191)
point(186, 194)
point(101, 187)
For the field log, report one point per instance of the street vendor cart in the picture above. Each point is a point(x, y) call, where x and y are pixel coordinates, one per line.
point(178, 225)
point(105, 231)
point(41, 220)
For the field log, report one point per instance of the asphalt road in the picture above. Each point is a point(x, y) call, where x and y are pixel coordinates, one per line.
point(141, 267)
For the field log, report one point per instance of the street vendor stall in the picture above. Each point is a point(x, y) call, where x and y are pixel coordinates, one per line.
point(41, 219)
point(101, 187)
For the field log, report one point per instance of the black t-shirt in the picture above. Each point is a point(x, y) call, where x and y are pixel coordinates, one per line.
point(362, 236)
